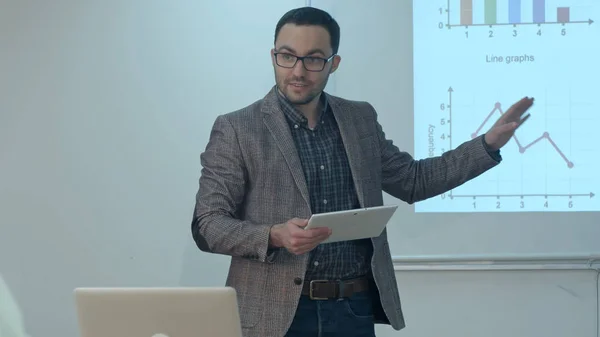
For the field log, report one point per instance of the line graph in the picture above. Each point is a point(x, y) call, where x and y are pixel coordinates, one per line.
point(522, 148)
point(518, 179)
point(498, 110)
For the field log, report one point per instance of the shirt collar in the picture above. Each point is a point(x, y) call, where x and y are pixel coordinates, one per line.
point(294, 114)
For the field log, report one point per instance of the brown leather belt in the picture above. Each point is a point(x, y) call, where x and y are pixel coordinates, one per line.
point(325, 290)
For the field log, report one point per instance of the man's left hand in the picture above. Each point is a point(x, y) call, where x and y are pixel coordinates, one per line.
point(508, 123)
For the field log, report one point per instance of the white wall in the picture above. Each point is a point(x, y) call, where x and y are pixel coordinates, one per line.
point(498, 303)
point(105, 107)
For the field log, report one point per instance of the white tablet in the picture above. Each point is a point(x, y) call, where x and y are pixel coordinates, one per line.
point(353, 224)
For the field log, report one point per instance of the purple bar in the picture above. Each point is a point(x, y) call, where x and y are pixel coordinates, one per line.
point(514, 11)
point(539, 11)
point(562, 14)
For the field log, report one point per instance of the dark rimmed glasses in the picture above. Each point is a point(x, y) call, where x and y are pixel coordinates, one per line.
point(310, 63)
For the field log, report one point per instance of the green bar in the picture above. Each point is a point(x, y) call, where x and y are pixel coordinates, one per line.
point(490, 12)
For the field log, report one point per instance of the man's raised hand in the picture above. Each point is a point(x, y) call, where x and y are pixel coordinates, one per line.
point(508, 123)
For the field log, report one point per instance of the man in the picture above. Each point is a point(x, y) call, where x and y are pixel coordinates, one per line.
point(299, 151)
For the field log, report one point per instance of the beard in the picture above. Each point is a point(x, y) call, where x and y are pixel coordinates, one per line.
point(313, 90)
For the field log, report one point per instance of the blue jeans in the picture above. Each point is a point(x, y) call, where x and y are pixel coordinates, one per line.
point(348, 317)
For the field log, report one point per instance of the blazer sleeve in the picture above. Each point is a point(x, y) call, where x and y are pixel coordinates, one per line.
point(414, 180)
point(221, 192)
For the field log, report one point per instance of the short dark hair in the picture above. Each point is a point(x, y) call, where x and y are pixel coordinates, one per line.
point(310, 16)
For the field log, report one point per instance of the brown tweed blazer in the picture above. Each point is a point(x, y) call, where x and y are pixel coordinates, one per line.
point(252, 178)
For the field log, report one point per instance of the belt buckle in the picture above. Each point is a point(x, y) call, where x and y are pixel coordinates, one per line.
point(311, 290)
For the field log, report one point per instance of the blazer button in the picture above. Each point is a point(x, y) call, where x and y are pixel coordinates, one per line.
point(298, 281)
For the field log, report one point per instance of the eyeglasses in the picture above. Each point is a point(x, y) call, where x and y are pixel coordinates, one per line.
point(311, 63)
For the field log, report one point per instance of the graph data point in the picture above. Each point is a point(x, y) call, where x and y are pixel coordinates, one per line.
point(546, 135)
point(473, 135)
point(521, 149)
point(570, 164)
point(497, 105)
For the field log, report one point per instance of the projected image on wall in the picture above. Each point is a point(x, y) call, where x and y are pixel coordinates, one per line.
point(473, 59)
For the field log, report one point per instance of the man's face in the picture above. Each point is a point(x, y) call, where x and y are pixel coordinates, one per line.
point(299, 85)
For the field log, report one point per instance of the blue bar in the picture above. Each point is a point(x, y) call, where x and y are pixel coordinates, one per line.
point(539, 11)
point(514, 11)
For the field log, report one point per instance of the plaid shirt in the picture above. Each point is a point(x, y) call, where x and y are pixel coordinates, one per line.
point(331, 188)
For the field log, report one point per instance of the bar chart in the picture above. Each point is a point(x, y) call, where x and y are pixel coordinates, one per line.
point(509, 12)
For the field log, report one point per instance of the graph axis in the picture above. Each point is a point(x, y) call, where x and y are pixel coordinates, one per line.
point(539, 24)
point(522, 150)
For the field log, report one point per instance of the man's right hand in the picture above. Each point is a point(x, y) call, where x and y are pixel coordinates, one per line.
point(292, 236)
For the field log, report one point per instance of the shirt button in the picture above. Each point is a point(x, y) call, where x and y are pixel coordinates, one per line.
point(296, 126)
point(316, 263)
point(325, 201)
point(322, 167)
point(298, 281)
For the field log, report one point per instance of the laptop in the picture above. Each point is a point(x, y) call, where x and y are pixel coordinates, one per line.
point(158, 312)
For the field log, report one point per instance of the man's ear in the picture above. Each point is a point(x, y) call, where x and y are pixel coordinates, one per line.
point(335, 63)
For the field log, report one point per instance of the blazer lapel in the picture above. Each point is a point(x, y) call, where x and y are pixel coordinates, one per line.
point(278, 127)
point(353, 150)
